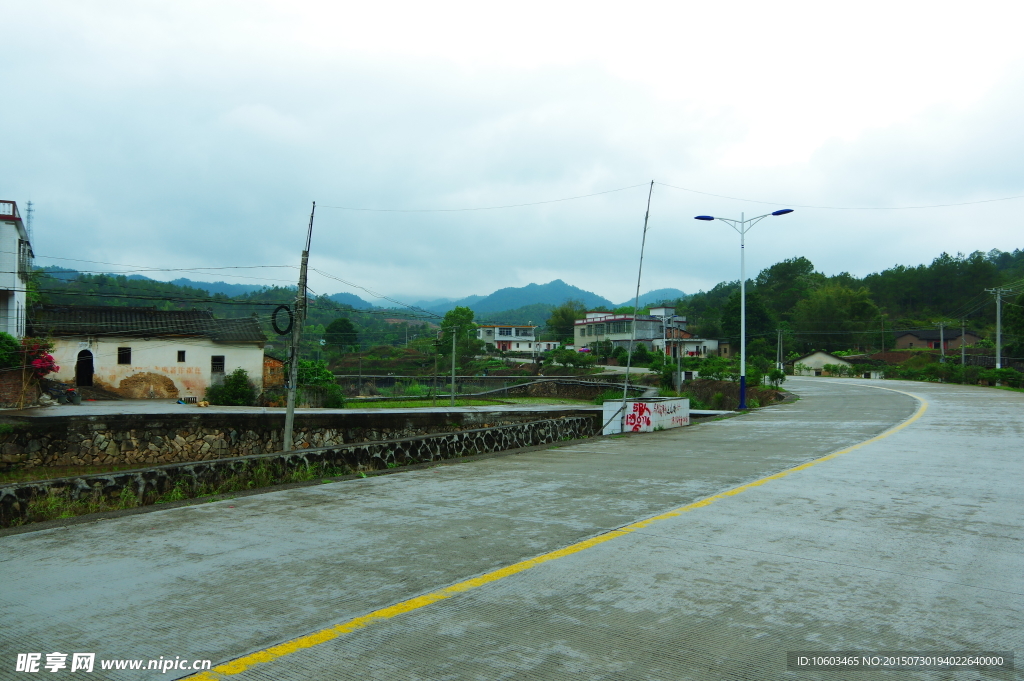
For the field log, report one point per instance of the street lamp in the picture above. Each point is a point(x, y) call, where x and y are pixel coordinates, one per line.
point(743, 226)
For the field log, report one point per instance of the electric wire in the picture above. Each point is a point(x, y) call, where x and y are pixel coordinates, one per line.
point(479, 208)
point(797, 205)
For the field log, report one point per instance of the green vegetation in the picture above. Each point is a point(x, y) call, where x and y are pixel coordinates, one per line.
point(236, 390)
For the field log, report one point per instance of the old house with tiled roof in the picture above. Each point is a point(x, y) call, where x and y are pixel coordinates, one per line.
point(142, 352)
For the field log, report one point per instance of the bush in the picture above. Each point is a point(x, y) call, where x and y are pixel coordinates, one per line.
point(237, 390)
point(10, 351)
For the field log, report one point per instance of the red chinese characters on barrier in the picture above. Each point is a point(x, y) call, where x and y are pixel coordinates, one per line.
point(640, 418)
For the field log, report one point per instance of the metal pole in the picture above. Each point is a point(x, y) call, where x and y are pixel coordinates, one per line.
point(636, 309)
point(453, 368)
point(297, 321)
point(743, 314)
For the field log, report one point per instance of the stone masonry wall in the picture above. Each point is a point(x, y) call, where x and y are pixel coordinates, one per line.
point(152, 440)
point(148, 484)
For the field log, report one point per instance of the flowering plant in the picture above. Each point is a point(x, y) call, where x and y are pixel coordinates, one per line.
point(38, 358)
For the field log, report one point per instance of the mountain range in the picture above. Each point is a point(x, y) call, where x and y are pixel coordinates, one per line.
point(553, 293)
point(533, 301)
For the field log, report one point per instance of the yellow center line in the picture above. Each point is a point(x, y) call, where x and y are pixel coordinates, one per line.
point(330, 633)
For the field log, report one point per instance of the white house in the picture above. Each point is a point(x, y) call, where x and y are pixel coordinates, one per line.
point(15, 267)
point(512, 337)
point(144, 352)
point(813, 364)
point(661, 330)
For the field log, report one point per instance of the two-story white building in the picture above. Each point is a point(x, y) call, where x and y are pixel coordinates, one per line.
point(15, 267)
point(140, 352)
point(662, 331)
point(512, 338)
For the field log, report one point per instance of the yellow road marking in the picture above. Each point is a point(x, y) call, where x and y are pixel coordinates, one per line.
point(308, 641)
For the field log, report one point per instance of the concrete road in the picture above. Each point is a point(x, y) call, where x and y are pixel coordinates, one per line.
point(911, 542)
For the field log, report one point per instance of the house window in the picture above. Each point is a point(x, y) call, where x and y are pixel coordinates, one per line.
point(181, 355)
point(217, 364)
point(505, 331)
point(489, 332)
point(910, 345)
point(124, 355)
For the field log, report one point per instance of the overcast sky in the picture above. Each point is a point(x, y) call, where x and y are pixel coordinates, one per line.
point(195, 135)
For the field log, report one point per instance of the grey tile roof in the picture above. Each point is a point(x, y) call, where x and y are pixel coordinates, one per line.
point(145, 322)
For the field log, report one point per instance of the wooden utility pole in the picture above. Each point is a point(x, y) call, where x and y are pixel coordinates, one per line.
point(297, 320)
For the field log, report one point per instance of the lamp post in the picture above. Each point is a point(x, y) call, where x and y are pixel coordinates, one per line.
point(742, 226)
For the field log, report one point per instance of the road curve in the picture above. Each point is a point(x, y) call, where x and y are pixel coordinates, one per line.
point(907, 543)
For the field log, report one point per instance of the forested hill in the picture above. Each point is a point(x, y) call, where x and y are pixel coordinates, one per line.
point(375, 326)
point(818, 311)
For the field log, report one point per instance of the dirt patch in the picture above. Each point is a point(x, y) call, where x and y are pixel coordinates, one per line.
point(147, 385)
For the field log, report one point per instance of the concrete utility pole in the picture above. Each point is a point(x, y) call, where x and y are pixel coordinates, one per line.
point(297, 321)
point(999, 293)
point(453, 367)
point(942, 342)
point(778, 351)
point(963, 342)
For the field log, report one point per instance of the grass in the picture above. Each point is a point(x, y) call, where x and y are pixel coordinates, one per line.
point(51, 472)
point(58, 506)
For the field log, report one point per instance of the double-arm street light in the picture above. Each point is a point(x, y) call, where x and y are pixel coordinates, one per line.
point(743, 226)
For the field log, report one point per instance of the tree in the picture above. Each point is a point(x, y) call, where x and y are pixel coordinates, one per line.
point(760, 320)
point(835, 317)
point(459, 322)
point(341, 334)
point(785, 283)
point(1013, 326)
point(562, 322)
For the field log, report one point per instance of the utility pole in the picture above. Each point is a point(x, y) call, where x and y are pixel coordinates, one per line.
point(453, 368)
point(942, 342)
point(963, 343)
point(778, 350)
point(297, 321)
point(999, 293)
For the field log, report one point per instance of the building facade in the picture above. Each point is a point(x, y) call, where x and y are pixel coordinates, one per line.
point(147, 353)
point(512, 338)
point(660, 331)
point(930, 338)
point(15, 268)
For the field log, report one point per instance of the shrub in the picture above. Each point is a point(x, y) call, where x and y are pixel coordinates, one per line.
point(237, 390)
point(10, 351)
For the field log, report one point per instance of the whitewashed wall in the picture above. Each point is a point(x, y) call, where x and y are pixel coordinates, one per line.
point(158, 356)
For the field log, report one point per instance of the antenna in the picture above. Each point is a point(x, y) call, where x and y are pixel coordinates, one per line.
point(28, 221)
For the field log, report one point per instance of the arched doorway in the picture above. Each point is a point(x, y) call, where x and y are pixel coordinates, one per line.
point(84, 368)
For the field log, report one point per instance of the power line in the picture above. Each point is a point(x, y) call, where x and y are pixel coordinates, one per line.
point(797, 205)
point(463, 210)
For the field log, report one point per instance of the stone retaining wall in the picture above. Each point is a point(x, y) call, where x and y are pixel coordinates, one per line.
point(202, 436)
point(149, 484)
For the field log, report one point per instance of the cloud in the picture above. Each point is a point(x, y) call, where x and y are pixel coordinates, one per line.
point(194, 135)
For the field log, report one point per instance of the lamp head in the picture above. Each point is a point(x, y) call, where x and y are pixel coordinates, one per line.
point(783, 211)
point(703, 217)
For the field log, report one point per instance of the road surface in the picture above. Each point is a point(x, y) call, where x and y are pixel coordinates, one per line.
point(910, 542)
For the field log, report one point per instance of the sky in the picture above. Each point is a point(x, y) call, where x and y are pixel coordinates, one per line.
point(175, 138)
